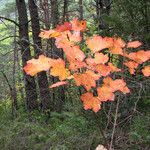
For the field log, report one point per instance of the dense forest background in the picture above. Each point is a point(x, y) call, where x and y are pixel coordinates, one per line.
point(34, 117)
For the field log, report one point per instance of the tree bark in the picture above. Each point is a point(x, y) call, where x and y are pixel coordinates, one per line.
point(102, 7)
point(81, 9)
point(30, 85)
point(65, 11)
point(42, 77)
point(58, 94)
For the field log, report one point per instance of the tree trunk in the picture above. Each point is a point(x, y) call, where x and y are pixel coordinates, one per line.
point(102, 7)
point(81, 9)
point(65, 11)
point(30, 86)
point(58, 94)
point(42, 77)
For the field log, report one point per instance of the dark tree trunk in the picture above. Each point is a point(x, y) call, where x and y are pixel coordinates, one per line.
point(65, 11)
point(14, 91)
point(42, 77)
point(30, 86)
point(58, 94)
point(102, 7)
point(81, 9)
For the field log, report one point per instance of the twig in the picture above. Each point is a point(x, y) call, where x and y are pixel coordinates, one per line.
point(115, 123)
point(8, 37)
point(1, 17)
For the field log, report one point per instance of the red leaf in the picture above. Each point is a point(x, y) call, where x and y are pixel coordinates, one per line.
point(66, 26)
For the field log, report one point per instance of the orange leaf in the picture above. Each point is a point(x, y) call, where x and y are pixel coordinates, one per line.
point(132, 66)
point(58, 69)
point(116, 85)
point(146, 71)
point(140, 56)
point(68, 39)
point(46, 34)
point(103, 69)
point(78, 25)
point(35, 66)
point(58, 84)
point(96, 43)
point(74, 53)
point(87, 79)
point(75, 65)
point(134, 44)
point(91, 102)
point(105, 93)
point(113, 68)
point(99, 58)
point(116, 47)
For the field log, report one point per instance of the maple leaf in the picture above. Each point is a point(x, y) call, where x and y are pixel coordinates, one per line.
point(120, 85)
point(58, 70)
point(132, 66)
point(105, 93)
point(58, 84)
point(96, 43)
point(87, 79)
point(103, 70)
point(140, 56)
point(99, 58)
point(146, 71)
point(46, 34)
point(78, 25)
point(66, 26)
point(74, 53)
point(67, 39)
point(134, 44)
point(75, 65)
point(90, 102)
point(116, 85)
point(63, 41)
point(35, 66)
point(74, 36)
point(116, 47)
point(113, 68)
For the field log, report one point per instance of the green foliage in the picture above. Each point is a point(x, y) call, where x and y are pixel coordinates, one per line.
point(68, 130)
point(140, 132)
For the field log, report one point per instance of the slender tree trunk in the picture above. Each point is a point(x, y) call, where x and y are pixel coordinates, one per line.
point(30, 85)
point(42, 77)
point(14, 91)
point(58, 94)
point(81, 9)
point(65, 11)
point(102, 7)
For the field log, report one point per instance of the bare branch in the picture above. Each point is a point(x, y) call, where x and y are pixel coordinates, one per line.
point(8, 37)
point(1, 17)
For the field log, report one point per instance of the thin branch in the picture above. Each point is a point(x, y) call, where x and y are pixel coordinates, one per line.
point(115, 123)
point(7, 80)
point(8, 37)
point(1, 17)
